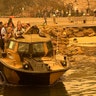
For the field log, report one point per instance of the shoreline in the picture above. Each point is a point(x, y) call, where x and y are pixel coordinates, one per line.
point(61, 21)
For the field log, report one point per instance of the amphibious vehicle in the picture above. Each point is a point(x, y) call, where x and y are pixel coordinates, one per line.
point(31, 60)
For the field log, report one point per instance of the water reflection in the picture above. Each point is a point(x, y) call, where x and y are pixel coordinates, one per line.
point(56, 90)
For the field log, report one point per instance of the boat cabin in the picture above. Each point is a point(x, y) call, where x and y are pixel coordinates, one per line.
point(31, 46)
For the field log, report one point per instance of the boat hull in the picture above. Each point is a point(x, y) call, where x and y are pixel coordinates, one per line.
point(26, 77)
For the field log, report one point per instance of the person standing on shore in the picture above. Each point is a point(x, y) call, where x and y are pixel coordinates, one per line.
point(45, 18)
point(54, 18)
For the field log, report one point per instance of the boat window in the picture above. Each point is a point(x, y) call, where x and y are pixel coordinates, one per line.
point(50, 48)
point(23, 47)
point(11, 45)
point(37, 49)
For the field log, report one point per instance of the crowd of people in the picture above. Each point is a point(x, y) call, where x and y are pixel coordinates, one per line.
point(8, 30)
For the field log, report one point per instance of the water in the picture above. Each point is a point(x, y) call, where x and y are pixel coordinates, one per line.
point(56, 90)
point(80, 80)
point(81, 86)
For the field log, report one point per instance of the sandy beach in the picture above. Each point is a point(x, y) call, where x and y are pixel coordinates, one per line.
point(65, 21)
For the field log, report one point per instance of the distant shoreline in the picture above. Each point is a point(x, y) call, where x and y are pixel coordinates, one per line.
point(61, 21)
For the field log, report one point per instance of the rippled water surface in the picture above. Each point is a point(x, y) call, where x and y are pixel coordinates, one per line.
point(81, 86)
point(80, 80)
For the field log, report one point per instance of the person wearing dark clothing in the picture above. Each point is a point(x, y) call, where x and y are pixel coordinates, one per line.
point(10, 23)
point(0, 29)
point(1, 39)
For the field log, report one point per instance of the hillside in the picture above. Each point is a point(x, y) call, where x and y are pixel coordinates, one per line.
point(34, 7)
point(17, 7)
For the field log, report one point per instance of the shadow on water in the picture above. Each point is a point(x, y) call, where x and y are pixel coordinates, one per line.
point(56, 90)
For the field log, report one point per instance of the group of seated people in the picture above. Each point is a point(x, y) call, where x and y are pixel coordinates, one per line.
point(8, 30)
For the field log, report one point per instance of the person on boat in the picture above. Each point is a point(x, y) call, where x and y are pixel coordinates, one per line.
point(19, 30)
point(1, 40)
point(9, 33)
point(4, 30)
point(10, 23)
point(3, 35)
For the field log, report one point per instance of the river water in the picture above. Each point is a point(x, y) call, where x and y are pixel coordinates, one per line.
point(79, 80)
